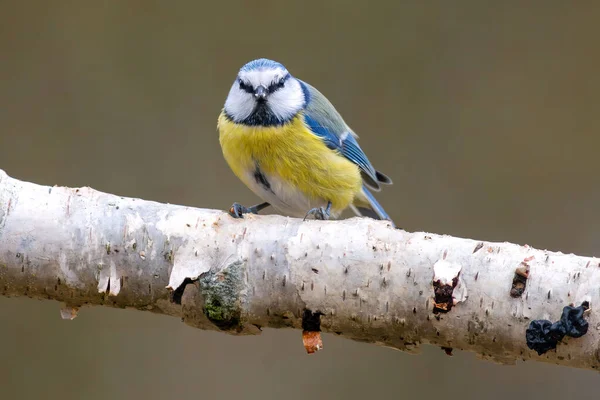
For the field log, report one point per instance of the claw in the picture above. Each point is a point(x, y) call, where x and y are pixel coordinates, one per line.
point(237, 210)
point(322, 213)
point(318, 212)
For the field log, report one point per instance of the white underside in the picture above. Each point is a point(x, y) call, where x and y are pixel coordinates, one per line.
point(285, 198)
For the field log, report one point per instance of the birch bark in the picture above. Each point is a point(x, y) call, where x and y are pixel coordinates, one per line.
point(359, 278)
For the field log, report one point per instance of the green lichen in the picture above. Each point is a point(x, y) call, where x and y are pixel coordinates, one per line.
point(221, 291)
point(216, 312)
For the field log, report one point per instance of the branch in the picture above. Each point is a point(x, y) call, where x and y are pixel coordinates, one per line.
point(358, 278)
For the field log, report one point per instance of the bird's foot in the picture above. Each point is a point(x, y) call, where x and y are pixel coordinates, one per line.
point(322, 213)
point(237, 210)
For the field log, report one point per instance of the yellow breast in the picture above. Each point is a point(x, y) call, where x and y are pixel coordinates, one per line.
point(295, 156)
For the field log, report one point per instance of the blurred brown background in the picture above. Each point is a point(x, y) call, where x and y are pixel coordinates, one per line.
point(486, 117)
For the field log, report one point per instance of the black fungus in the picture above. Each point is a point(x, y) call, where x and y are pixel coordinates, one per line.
point(572, 320)
point(543, 335)
point(311, 321)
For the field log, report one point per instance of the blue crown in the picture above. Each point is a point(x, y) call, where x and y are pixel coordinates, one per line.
point(261, 63)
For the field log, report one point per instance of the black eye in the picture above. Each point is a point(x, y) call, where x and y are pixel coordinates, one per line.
point(277, 85)
point(244, 87)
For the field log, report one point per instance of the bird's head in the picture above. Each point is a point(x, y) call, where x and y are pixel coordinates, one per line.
point(264, 93)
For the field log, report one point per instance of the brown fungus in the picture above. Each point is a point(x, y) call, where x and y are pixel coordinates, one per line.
point(311, 331)
point(445, 280)
point(519, 282)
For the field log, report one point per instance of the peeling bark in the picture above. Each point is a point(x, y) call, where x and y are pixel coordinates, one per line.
point(365, 280)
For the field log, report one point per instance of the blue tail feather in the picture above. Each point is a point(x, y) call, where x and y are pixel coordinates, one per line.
point(375, 211)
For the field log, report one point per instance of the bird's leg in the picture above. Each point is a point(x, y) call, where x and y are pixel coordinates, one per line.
point(320, 212)
point(237, 210)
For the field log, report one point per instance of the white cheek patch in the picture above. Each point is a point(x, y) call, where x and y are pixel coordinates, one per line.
point(239, 104)
point(287, 101)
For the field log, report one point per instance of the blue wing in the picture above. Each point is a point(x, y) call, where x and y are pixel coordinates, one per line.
point(324, 121)
point(347, 145)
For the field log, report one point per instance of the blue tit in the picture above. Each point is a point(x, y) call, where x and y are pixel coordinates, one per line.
point(290, 146)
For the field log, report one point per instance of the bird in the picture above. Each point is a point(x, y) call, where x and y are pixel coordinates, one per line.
point(287, 143)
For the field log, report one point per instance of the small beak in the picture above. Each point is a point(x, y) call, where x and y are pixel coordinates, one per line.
point(260, 92)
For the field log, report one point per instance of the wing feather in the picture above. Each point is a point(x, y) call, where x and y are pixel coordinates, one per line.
point(324, 121)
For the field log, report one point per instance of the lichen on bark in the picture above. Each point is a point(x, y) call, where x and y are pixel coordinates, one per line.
point(222, 293)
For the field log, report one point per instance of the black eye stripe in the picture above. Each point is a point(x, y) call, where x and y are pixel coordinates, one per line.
point(278, 84)
point(273, 87)
point(244, 87)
